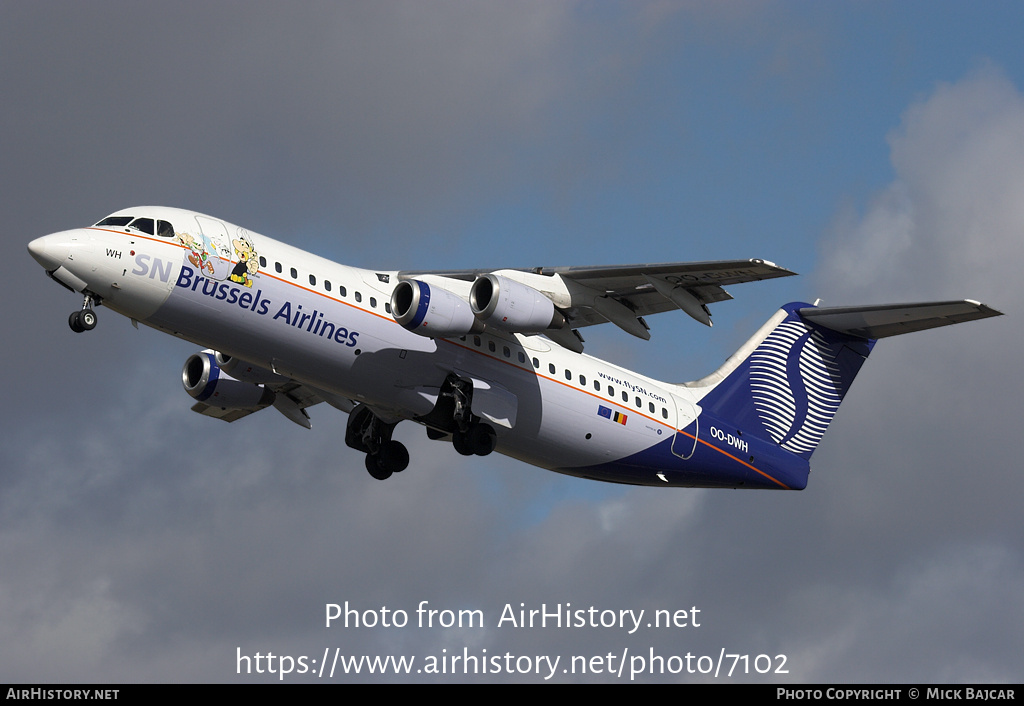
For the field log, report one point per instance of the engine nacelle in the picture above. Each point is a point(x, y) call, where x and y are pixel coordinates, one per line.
point(512, 306)
point(245, 371)
point(432, 311)
point(206, 382)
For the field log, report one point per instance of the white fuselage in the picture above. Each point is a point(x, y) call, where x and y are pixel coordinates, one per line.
point(330, 327)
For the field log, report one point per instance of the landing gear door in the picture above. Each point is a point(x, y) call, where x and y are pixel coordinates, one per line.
point(493, 402)
point(687, 425)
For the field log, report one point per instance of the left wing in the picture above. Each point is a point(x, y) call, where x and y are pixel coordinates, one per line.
point(228, 389)
point(291, 399)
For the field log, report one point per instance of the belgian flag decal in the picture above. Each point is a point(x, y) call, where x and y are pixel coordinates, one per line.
point(608, 413)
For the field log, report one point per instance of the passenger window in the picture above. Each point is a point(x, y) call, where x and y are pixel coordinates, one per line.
point(551, 368)
point(277, 267)
point(373, 302)
point(639, 404)
point(359, 297)
point(144, 225)
point(536, 363)
point(295, 273)
point(625, 396)
point(387, 307)
point(611, 391)
point(312, 280)
point(651, 405)
point(327, 284)
point(476, 341)
point(568, 374)
point(343, 291)
point(583, 381)
point(597, 385)
point(506, 351)
point(490, 346)
point(522, 357)
point(263, 262)
point(164, 229)
point(664, 413)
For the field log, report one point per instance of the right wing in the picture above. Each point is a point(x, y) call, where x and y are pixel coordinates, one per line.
point(620, 294)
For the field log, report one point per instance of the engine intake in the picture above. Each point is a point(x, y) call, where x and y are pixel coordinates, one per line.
point(432, 311)
point(206, 382)
point(513, 306)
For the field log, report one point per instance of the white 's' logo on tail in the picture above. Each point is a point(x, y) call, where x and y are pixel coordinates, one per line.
point(795, 383)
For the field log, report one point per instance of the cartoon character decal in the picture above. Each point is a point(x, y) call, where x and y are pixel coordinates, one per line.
point(211, 257)
point(248, 261)
point(219, 248)
point(197, 254)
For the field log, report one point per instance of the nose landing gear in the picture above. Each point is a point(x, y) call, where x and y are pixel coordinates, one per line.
point(84, 320)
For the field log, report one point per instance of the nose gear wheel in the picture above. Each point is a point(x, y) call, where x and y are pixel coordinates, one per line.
point(85, 319)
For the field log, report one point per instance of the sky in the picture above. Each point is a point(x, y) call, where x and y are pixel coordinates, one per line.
point(875, 148)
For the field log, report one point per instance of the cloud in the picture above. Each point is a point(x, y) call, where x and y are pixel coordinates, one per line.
point(950, 223)
point(924, 442)
point(949, 226)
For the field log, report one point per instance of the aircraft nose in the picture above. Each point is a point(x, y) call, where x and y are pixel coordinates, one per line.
point(50, 251)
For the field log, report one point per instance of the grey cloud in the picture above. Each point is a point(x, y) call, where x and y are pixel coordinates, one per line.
point(950, 222)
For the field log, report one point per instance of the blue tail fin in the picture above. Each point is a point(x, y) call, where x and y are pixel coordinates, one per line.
point(786, 383)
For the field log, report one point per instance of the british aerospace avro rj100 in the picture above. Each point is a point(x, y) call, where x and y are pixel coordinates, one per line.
point(488, 360)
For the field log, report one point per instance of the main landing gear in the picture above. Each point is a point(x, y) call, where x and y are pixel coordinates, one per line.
point(471, 436)
point(84, 320)
point(367, 433)
point(479, 439)
point(451, 417)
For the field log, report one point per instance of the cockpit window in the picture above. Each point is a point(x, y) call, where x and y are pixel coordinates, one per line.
point(143, 225)
point(164, 229)
point(115, 221)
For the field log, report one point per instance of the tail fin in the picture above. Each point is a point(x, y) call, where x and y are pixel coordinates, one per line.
point(787, 382)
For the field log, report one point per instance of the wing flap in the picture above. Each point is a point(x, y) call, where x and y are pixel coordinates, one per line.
point(290, 399)
point(227, 415)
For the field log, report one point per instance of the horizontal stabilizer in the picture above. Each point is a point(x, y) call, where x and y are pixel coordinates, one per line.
point(894, 319)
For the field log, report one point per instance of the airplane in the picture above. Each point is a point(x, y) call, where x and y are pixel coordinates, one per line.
point(487, 360)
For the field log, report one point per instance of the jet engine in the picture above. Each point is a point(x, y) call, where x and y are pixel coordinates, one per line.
point(432, 311)
point(513, 306)
point(245, 371)
point(205, 381)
